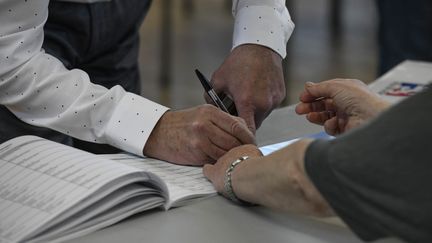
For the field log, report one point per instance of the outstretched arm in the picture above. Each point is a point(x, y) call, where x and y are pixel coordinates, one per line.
point(277, 181)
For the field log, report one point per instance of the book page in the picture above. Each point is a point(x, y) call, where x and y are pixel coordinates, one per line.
point(183, 182)
point(40, 179)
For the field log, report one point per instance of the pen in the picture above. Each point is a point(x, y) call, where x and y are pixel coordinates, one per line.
point(210, 91)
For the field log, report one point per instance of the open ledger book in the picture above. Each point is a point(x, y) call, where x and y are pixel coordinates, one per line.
point(52, 192)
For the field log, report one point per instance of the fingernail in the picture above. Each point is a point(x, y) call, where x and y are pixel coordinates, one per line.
point(309, 83)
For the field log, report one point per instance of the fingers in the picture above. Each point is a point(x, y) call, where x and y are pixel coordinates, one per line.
point(223, 139)
point(217, 132)
point(342, 123)
point(242, 132)
point(249, 117)
point(316, 106)
point(216, 173)
point(305, 96)
point(331, 126)
point(213, 151)
point(214, 144)
point(319, 118)
point(316, 90)
point(215, 176)
point(233, 126)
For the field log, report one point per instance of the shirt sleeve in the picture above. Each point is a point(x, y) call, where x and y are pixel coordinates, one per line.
point(262, 22)
point(377, 178)
point(39, 90)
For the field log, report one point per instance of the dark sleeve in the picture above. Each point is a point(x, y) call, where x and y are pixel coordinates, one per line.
point(378, 178)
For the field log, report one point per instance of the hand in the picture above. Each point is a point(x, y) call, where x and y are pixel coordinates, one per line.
point(339, 104)
point(277, 181)
point(251, 75)
point(196, 136)
point(216, 173)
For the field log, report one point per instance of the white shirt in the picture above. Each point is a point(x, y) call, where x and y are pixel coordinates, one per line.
point(39, 90)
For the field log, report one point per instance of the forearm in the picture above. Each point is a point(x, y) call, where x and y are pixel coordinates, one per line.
point(39, 90)
point(279, 181)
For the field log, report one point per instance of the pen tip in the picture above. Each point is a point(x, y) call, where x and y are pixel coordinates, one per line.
point(203, 80)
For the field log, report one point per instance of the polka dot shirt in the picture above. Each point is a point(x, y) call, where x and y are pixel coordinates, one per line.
point(39, 90)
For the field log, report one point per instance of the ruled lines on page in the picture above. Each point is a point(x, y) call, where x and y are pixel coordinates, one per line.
point(39, 179)
point(182, 181)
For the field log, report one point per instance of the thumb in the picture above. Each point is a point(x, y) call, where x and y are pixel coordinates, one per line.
point(322, 89)
point(249, 117)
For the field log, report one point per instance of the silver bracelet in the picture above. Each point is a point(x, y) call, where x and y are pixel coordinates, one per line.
point(228, 181)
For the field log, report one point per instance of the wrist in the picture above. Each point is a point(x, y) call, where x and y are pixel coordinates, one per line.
point(245, 181)
point(154, 143)
point(228, 181)
point(257, 50)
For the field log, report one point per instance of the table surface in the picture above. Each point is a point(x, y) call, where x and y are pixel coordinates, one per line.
point(218, 220)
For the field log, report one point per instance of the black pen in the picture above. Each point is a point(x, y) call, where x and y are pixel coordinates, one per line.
point(210, 91)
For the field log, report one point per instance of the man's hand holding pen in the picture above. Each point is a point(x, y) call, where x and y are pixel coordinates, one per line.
point(252, 76)
point(196, 136)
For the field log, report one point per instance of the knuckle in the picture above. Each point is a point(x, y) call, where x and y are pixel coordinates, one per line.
point(232, 144)
point(202, 109)
point(199, 126)
point(206, 109)
point(196, 144)
point(240, 120)
point(235, 126)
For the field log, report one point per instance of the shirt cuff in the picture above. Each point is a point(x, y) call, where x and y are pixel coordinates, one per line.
point(132, 122)
point(263, 25)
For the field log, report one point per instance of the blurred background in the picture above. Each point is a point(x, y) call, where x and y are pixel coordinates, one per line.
point(332, 38)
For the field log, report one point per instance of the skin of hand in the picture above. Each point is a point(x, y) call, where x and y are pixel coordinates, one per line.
point(339, 104)
point(252, 76)
point(277, 181)
point(196, 136)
